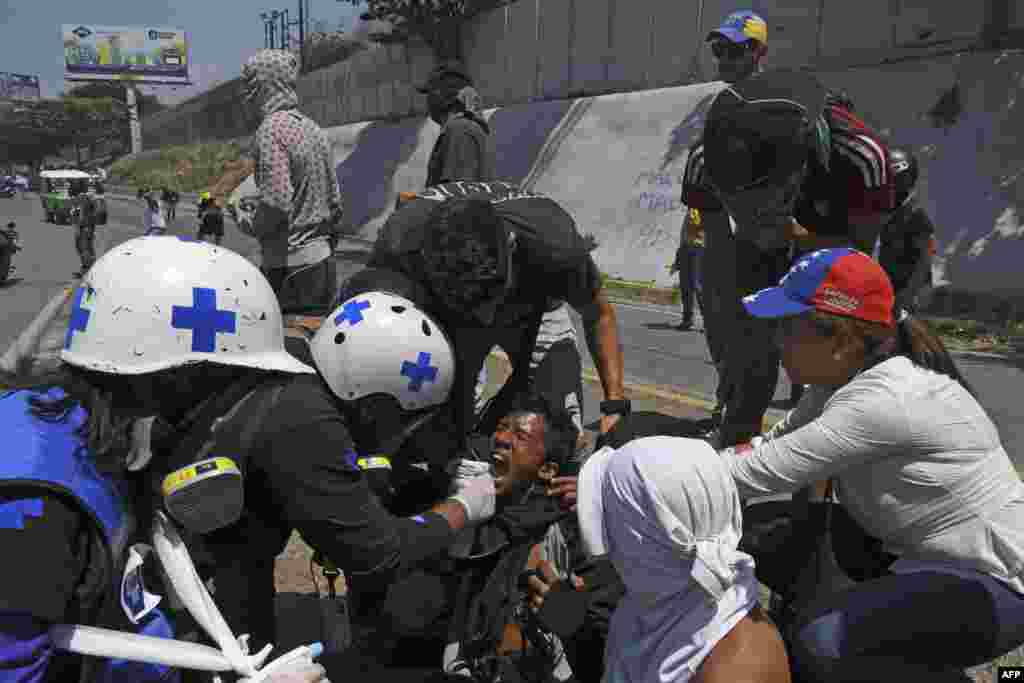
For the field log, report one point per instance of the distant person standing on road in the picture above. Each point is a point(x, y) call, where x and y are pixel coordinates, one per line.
point(688, 265)
point(170, 199)
point(211, 220)
point(739, 47)
point(84, 218)
point(299, 198)
point(152, 216)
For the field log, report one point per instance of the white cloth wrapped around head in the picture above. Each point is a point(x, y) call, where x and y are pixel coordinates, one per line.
point(667, 513)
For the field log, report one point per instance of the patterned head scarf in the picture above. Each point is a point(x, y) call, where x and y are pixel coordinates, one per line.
point(270, 77)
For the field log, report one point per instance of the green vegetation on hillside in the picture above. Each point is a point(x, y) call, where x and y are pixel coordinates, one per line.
point(185, 168)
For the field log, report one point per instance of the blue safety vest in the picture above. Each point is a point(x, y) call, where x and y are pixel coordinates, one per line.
point(53, 456)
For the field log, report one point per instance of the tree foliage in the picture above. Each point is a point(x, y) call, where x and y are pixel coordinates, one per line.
point(70, 120)
point(324, 48)
point(148, 104)
point(436, 22)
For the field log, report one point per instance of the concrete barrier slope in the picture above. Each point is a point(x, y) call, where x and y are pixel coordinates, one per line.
point(616, 161)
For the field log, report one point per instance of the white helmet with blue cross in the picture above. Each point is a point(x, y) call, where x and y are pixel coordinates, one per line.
point(379, 343)
point(154, 303)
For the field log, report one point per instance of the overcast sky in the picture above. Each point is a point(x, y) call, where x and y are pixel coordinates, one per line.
point(222, 33)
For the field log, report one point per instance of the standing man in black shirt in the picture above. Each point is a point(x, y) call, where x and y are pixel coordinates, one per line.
point(485, 259)
point(908, 240)
point(465, 149)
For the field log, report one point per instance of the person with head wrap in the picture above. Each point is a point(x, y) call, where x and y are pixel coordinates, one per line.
point(299, 201)
point(667, 514)
point(465, 148)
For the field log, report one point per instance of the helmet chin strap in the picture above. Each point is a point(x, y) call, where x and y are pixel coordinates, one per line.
point(392, 444)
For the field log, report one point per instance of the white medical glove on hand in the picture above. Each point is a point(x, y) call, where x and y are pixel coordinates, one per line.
point(304, 672)
point(473, 488)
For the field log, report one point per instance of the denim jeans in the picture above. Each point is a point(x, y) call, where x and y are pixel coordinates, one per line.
point(691, 282)
point(922, 626)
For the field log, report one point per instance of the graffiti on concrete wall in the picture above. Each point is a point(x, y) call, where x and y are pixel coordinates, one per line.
point(660, 194)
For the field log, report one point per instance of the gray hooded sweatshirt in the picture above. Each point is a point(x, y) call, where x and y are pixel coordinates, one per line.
point(300, 200)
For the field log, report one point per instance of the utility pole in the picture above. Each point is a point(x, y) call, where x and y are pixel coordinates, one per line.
point(302, 36)
point(133, 117)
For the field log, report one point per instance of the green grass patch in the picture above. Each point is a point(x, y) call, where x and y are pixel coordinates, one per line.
point(206, 160)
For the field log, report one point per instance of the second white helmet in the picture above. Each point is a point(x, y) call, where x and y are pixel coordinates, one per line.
point(379, 343)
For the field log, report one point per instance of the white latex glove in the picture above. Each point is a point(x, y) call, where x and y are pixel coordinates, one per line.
point(473, 488)
point(302, 673)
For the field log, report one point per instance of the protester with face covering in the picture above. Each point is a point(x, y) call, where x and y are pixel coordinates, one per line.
point(465, 148)
point(788, 167)
point(300, 201)
point(666, 512)
point(739, 47)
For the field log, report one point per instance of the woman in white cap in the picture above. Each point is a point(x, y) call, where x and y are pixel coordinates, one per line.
point(666, 512)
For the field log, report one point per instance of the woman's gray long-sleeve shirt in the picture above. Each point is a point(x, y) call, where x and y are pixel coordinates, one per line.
point(918, 463)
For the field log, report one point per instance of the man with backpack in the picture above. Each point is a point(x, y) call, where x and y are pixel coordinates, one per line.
point(789, 166)
point(739, 47)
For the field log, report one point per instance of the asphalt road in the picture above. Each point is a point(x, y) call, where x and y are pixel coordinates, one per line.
point(655, 353)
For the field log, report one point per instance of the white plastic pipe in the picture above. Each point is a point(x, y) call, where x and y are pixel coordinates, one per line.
point(178, 565)
point(101, 642)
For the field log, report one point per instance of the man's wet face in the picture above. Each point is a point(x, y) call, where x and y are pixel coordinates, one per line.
point(518, 452)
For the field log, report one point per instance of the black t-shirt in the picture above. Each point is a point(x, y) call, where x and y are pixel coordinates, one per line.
point(550, 261)
point(213, 220)
point(463, 151)
point(903, 242)
point(302, 473)
point(48, 536)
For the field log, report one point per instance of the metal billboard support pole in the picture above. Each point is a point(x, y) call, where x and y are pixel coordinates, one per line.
point(133, 118)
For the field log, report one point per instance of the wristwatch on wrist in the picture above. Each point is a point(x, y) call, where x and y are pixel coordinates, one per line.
point(617, 407)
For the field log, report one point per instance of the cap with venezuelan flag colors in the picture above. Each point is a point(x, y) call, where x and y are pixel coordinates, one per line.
point(843, 282)
point(741, 26)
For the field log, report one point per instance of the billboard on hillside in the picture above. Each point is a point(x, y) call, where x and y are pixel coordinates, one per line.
point(150, 53)
point(20, 86)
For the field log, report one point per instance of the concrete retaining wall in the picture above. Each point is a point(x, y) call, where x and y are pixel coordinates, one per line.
point(535, 50)
point(615, 161)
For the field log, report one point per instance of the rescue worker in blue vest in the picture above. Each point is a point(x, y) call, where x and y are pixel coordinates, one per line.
point(258, 444)
point(66, 520)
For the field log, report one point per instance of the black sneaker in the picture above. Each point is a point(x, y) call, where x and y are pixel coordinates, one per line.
point(685, 326)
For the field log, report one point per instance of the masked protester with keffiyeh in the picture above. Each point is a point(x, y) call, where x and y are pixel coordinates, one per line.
point(299, 198)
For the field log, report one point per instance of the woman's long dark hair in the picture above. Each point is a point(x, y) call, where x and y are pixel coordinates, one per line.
point(913, 339)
